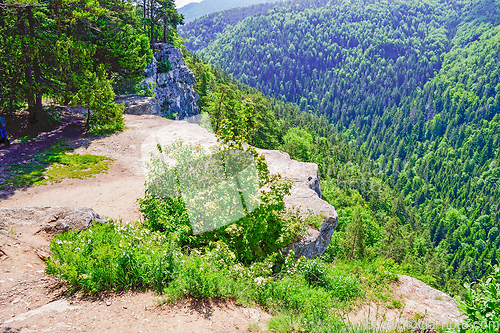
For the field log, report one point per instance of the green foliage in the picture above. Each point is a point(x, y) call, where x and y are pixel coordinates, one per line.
point(411, 91)
point(481, 305)
point(207, 274)
point(304, 295)
point(314, 272)
point(298, 143)
point(260, 232)
point(164, 66)
point(161, 19)
point(97, 96)
point(54, 49)
point(113, 257)
point(223, 99)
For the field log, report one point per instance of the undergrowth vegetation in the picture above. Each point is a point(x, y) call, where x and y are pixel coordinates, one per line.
point(303, 295)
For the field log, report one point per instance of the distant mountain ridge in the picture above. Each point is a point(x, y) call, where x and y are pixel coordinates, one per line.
point(194, 10)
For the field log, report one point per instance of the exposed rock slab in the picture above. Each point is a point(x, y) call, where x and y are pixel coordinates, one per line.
point(50, 219)
point(305, 192)
point(56, 306)
point(421, 298)
point(139, 105)
point(418, 300)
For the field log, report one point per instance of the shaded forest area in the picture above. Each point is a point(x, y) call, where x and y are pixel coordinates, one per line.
point(78, 53)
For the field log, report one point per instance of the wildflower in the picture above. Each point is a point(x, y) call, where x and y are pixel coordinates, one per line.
point(259, 280)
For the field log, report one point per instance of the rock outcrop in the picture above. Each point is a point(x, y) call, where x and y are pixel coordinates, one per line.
point(52, 220)
point(305, 192)
point(422, 306)
point(139, 105)
point(172, 82)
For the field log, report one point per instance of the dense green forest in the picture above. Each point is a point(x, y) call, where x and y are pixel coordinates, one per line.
point(195, 10)
point(413, 84)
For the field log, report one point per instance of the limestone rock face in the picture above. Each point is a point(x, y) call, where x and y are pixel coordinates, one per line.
point(173, 87)
point(138, 105)
point(50, 219)
point(306, 194)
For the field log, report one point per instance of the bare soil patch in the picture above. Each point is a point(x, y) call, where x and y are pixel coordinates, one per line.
point(113, 193)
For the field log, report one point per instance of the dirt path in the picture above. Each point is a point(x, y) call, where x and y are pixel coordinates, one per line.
point(114, 193)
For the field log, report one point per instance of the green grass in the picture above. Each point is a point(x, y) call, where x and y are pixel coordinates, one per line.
point(303, 295)
point(395, 304)
point(53, 165)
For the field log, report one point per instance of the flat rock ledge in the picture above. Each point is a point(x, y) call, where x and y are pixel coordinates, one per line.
point(53, 220)
point(139, 105)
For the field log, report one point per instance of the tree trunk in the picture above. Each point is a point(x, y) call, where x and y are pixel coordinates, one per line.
point(165, 29)
point(87, 125)
point(37, 93)
point(58, 16)
point(28, 75)
point(152, 23)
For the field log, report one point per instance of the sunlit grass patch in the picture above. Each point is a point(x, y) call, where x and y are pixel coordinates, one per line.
point(53, 165)
point(74, 166)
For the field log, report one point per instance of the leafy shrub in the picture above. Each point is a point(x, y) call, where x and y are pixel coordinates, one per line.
point(482, 305)
point(113, 257)
point(164, 66)
point(263, 231)
point(343, 287)
point(311, 306)
point(207, 274)
point(314, 272)
point(167, 215)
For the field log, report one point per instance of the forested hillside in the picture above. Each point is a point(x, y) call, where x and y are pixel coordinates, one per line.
point(194, 10)
point(414, 84)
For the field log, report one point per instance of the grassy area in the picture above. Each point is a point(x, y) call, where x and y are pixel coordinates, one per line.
point(53, 165)
point(303, 295)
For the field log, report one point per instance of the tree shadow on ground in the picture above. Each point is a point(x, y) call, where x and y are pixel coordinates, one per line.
point(29, 140)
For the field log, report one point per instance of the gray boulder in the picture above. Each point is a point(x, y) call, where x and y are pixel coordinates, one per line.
point(139, 105)
point(173, 88)
point(53, 220)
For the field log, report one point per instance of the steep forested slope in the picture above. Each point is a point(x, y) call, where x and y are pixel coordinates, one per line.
point(415, 84)
point(192, 11)
point(201, 32)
